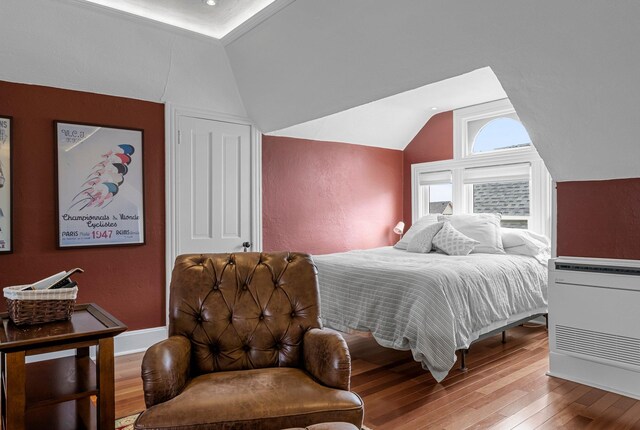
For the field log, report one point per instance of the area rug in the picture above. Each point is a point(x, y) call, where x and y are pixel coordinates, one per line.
point(126, 423)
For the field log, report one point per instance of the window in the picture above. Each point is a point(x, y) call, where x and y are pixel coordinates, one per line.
point(436, 193)
point(510, 198)
point(501, 189)
point(505, 132)
point(495, 169)
point(441, 199)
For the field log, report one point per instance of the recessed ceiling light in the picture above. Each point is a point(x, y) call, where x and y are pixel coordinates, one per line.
point(434, 108)
point(210, 2)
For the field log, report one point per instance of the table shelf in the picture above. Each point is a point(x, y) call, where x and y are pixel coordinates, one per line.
point(75, 378)
point(63, 416)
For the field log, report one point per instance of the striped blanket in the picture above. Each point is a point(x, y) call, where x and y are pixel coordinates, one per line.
point(432, 304)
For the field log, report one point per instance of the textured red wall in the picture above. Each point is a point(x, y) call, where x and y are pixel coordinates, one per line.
point(433, 143)
point(127, 281)
point(322, 197)
point(599, 219)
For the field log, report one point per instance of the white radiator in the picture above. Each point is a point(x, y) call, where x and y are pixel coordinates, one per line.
point(594, 323)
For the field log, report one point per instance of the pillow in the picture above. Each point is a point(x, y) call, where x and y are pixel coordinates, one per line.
point(416, 227)
point(422, 241)
point(517, 237)
point(485, 228)
point(525, 250)
point(452, 242)
point(524, 242)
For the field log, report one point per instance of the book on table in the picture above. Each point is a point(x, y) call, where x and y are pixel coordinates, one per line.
point(59, 280)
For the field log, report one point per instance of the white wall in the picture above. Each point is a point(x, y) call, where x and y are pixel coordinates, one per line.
point(570, 67)
point(72, 45)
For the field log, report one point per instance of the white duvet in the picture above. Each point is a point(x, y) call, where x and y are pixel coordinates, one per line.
point(432, 304)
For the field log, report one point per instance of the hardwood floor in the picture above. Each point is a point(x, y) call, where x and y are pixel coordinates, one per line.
point(504, 388)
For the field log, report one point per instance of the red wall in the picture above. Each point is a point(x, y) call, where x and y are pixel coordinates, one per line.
point(433, 143)
point(599, 219)
point(322, 197)
point(595, 218)
point(129, 281)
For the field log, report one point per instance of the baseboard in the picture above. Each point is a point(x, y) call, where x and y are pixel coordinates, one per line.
point(134, 341)
point(125, 343)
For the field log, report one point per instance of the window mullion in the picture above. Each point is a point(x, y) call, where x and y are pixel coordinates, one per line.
point(459, 198)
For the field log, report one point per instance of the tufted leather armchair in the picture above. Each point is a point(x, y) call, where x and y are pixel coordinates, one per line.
point(246, 349)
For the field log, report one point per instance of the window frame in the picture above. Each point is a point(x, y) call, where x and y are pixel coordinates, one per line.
point(462, 146)
point(539, 219)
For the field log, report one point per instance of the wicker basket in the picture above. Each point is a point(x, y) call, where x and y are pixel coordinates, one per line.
point(39, 306)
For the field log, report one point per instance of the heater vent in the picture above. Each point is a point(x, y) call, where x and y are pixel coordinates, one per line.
point(611, 270)
point(621, 349)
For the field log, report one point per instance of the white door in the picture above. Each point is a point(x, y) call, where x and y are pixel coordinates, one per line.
point(213, 173)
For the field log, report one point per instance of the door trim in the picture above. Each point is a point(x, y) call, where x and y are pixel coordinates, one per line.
point(172, 115)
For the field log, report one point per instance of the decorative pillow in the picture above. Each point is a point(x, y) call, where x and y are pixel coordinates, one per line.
point(452, 242)
point(416, 227)
point(423, 240)
point(485, 228)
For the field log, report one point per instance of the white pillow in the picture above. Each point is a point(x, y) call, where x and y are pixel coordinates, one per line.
point(516, 237)
point(524, 250)
point(423, 240)
point(524, 242)
point(452, 242)
point(485, 228)
point(423, 222)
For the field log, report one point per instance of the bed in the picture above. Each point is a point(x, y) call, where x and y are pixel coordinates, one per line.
point(430, 303)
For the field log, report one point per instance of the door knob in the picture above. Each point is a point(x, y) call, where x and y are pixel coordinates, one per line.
point(246, 245)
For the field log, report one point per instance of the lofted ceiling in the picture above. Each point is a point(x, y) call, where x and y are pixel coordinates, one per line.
point(392, 122)
point(194, 15)
point(570, 68)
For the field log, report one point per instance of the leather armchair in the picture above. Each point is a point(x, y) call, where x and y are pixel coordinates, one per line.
point(246, 349)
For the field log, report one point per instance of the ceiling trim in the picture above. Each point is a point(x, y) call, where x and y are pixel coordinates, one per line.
point(230, 37)
point(138, 19)
point(255, 21)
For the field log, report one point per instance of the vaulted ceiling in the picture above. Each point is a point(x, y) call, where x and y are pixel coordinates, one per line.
point(392, 122)
point(570, 68)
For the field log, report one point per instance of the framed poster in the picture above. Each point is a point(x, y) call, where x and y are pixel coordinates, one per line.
point(6, 186)
point(100, 185)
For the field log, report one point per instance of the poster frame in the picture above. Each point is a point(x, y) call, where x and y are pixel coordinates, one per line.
point(58, 173)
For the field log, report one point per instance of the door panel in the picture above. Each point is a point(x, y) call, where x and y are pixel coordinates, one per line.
point(213, 173)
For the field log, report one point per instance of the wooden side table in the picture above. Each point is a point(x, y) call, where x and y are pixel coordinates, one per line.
point(56, 394)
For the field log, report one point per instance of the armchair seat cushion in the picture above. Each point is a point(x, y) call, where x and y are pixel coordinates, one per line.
point(269, 398)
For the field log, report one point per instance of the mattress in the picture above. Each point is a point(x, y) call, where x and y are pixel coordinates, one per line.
point(432, 304)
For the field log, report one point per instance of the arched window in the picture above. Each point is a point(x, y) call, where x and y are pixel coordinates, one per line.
point(504, 132)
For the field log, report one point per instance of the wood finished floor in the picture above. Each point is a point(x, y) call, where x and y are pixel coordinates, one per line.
point(505, 388)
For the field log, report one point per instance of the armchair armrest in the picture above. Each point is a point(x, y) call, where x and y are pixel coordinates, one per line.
point(327, 358)
point(165, 369)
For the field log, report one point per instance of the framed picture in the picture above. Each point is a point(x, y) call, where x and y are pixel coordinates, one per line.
point(100, 185)
point(6, 186)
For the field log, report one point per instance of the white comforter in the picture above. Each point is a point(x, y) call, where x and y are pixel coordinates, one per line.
point(430, 303)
